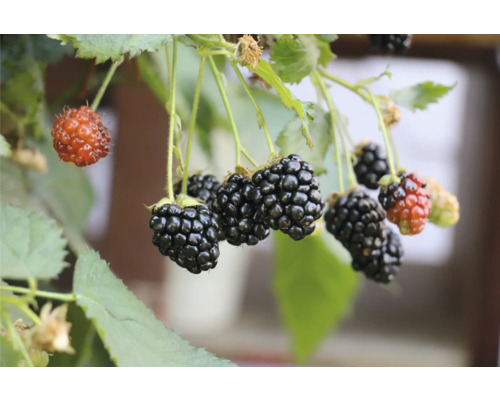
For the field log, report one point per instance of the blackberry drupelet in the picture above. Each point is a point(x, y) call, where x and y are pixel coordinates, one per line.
point(202, 187)
point(383, 262)
point(357, 221)
point(407, 203)
point(288, 197)
point(390, 44)
point(371, 164)
point(240, 223)
point(187, 236)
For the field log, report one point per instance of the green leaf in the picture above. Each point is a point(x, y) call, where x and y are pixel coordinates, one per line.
point(265, 71)
point(290, 140)
point(32, 245)
point(70, 207)
point(9, 357)
point(419, 96)
point(375, 78)
point(327, 38)
point(5, 150)
point(129, 330)
point(325, 53)
point(315, 286)
point(105, 47)
point(294, 57)
point(152, 78)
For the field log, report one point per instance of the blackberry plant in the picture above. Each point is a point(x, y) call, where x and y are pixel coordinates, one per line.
point(271, 189)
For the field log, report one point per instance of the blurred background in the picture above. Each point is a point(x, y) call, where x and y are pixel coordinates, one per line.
point(443, 308)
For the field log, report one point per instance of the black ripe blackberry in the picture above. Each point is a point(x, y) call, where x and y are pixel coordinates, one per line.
point(390, 44)
point(202, 187)
point(382, 264)
point(357, 221)
point(288, 197)
point(371, 164)
point(187, 236)
point(238, 219)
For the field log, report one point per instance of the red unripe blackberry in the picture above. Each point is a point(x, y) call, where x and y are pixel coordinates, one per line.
point(239, 221)
point(390, 44)
point(187, 236)
point(288, 197)
point(80, 137)
point(358, 222)
point(407, 204)
point(371, 164)
point(382, 263)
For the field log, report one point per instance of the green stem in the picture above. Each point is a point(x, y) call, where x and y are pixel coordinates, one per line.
point(192, 125)
point(223, 94)
point(248, 157)
point(256, 105)
point(169, 66)
point(326, 96)
point(105, 83)
point(25, 309)
point(384, 130)
point(65, 297)
point(394, 150)
point(354, 88)
point(171, 125)
point(16, 340)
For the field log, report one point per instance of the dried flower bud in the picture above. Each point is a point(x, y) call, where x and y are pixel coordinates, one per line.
point(53, 334)
point(391, 114)
point(248, 51)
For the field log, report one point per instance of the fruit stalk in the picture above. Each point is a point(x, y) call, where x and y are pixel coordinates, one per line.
point(192, 125)
point(171, 124)
point(105, 83)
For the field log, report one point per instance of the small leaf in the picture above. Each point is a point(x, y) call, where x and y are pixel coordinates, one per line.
point(31, 245)
point(375, 78)
point(9, 357)
point(105, 47)
point(327, 38)
point(419, 96)
point(5, 150)
point(129, 330)
point(314, 285)
point(291, 140)
point(325, 53)
point(265, 71)
point(294, 57)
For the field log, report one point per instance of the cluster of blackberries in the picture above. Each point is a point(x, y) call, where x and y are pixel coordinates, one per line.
point(390, 44)
point(358, 222)
point(283, 196)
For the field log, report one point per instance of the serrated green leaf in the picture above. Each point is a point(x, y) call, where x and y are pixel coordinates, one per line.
point(420, 95)
point(31, 245)
point(105, 47)
point(129, 330)
point(5, 150)
point(70, 207)
point(9, 357)
point(327, 38)
point(315, 286)
point(325, 53)
point(265, 71)
point(17, 53)
point(294, 57)
point(290, 140)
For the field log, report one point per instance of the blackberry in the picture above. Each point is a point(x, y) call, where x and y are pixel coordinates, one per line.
point(371, 164)
point(390, 44)
point(202, 187)
point(407, 203)
point(357, 221)
point(383, 262)
point(288, 197)
point(187, 236)
point(240, 223)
